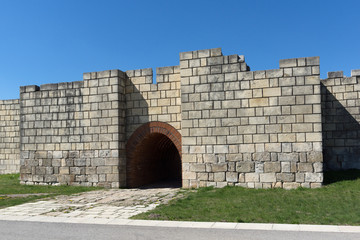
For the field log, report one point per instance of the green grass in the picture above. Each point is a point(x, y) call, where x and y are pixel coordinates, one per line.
point(337, 203)
point(10, 184)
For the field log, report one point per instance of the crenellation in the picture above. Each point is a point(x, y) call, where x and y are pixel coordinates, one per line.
point(227, 124)
point(337, 74)
point(340, 125)
point(355, 73)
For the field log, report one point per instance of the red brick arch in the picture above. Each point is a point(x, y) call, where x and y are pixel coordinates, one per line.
point(150, 143)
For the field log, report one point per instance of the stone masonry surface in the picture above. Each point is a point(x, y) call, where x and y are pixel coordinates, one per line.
point(73, 133)
point(9, 136)
point(148, 102)
point(256, 129)
point(341, 117)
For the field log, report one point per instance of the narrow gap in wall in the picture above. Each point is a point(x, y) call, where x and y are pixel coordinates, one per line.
point(154, 75)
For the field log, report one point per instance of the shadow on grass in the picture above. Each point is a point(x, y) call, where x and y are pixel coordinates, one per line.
point(338, 176)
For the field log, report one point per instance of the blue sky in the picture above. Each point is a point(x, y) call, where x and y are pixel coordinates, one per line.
point(48, 41)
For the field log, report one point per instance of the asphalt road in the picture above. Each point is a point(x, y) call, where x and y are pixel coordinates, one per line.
point(17, 230)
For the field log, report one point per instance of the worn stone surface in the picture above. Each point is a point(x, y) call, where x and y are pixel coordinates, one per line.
point(108, 204)
point(9, 136)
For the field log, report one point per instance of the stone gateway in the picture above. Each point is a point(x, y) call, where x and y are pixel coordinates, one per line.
point(208, 122)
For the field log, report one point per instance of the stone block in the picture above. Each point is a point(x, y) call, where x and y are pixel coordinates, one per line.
point(267, 177)
point(247, 148)
point(189, 175)
point(215, 52)
point(312, 61)
point(230, 78)
point(337, 74)
point(263, 83)
point(305, 167)
point(274, 73)
point(209, 158)
point(313, 137)
point(50, 178)
point(77, 170)
point(272, 111)
point(197, 167)
point(104, 74)
point(318, 167)
point(260, 138)
point(261, 156)
point(246, 75)
point(245, 167)
point(272, 167)
point(273, 147)
point(314, 157)
point(293, 157)
point(164, 70)
point(302, 127)
point(287, 72)
point(303, 90)
point(301, 62)
point(313, 177)
point(219, 167)
point(259, 74)
point(216, 78)
point(259, 102)
point(285, 177)
point(81, 162)
point(252, 177)
point(186, 55)
point(93, 178)
point(301, 109)
point(219, 176)
point(287, 137)
point(302, 71)
point(271, 92)
point(48, 87)
point(231, 68)
point(285, 63)
point(232, 177)
point(355, 72)
point(215, 60)
point(234, 58)
point(204, 53)
point(290, 185)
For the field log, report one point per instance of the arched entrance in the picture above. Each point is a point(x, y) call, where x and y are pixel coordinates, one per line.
point(153, 154)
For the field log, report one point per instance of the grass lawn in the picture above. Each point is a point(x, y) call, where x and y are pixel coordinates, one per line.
point(337, 203)
point(10, 184)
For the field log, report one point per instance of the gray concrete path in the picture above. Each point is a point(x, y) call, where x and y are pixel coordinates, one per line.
point(20, 230)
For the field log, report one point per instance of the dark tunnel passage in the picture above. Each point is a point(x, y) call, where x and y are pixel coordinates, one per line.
point(154, 159)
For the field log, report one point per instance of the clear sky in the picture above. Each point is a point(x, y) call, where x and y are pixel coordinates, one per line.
point(50, 41)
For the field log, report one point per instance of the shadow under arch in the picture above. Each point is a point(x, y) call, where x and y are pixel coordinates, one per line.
point(153, 154)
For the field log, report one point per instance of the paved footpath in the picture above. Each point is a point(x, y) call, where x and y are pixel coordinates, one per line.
point(116, 206)
point(103, 204)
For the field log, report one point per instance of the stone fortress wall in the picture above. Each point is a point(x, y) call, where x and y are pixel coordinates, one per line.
point(9, 136)
point(148, 102)
point(73, 133)
point(341, 118)
point(255, 129)
point(229, 125)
